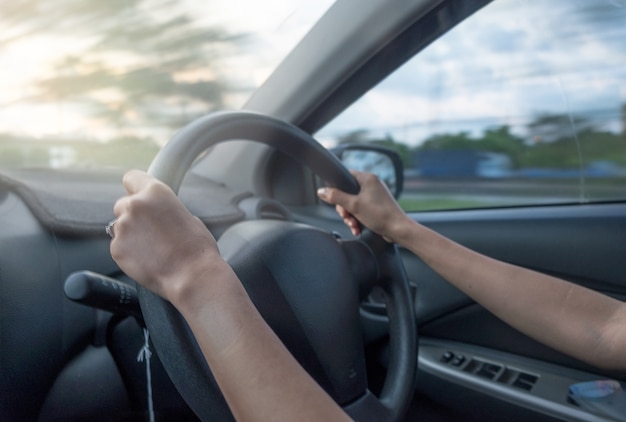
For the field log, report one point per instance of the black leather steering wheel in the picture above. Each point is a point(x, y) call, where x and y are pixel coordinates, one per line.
point(304, 282)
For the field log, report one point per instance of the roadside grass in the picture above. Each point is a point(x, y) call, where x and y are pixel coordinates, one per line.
point(431, 204)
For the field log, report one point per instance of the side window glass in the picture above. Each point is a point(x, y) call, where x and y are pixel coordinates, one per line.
point(507, 112)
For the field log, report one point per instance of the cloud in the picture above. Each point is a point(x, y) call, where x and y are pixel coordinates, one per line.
point(507, 64)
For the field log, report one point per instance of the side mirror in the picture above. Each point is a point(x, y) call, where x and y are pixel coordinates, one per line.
point(383, 162)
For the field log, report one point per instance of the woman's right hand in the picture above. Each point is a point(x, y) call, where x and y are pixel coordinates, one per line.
point(161, 245)
point(373, 206)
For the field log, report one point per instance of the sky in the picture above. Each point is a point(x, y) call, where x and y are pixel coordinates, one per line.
point(275, 27)
point(509, 63)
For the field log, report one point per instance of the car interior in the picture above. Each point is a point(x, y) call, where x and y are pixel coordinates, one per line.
point(72, 324)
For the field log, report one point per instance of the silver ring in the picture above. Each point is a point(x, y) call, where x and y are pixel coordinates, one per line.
point(109, 228)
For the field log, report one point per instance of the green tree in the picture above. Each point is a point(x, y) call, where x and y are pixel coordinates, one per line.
point(498, 140)
point(548, 128)
point(501, 140)
point(359, 136)
point(404, 151)
point(461, 140)
point(563, 141)
point(603, 146)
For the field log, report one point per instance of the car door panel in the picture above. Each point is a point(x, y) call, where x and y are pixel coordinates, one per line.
point(582, 244)
point(492, 385)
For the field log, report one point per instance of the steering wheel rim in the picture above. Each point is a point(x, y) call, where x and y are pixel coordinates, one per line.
point(170, 334)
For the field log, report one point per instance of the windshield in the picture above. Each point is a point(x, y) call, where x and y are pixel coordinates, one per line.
point(104, 83)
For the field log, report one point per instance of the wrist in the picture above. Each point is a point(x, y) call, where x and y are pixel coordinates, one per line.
point(399, 229)
point(201, 283)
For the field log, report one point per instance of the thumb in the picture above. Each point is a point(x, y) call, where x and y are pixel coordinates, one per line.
point(333, 196)
point(136, 180)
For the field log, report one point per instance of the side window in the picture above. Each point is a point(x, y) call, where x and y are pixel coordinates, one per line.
point(507, 112)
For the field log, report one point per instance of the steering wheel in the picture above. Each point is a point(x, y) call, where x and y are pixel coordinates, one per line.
point(305, 283)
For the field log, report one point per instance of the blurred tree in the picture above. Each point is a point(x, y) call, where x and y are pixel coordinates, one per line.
point(553, 127)
point(125, 153)
point(501, 140)
point(559, 154)
point(461, 140)
point(498, 140)
point(25, 18)
point(11, 155)
point(564, 141)
point(555, 141)
point(358, 136)
point(403, 150)
point(147, 63)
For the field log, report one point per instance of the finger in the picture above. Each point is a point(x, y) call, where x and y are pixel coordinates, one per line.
point(349, 220)
point(114, 246)
point(353, 225)
point(120, 206)
point(323, 194)
point(136, 180)
point(334, 196)
point(343, 213)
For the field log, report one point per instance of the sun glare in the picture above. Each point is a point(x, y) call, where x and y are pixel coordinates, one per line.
point(23, 63)
point(40, 99)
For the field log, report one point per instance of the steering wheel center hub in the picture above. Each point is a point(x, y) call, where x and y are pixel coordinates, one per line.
point(301, 283)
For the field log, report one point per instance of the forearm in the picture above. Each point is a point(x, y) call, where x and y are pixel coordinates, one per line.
point(258, 376)
point(567, 317)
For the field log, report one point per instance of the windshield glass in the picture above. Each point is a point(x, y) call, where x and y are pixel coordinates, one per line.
point(104, 83)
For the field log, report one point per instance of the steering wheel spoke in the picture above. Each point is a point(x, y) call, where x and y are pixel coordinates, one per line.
point(369, 408)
